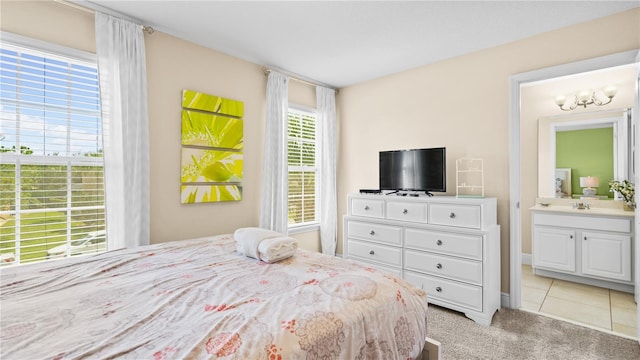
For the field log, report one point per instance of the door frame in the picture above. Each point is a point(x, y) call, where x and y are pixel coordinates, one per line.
point(515, 81)
point(635, 131)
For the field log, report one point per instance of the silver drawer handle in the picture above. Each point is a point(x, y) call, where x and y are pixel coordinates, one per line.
point(366, 207)
point(439, 242)
point(405, 211)
point(452, 215)
point(372, 252)
point(438, 266)
point(372, 232)
point(438, 289)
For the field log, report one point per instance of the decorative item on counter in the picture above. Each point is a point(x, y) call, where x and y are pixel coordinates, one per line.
point(559, 193)
point(626, 190)
point(590, 184)
point(563, 183)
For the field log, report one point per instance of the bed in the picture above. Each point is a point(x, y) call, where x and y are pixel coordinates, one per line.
point(199, 298)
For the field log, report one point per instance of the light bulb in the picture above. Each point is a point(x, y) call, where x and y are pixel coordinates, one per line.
point(610, 91)
point(584, 96)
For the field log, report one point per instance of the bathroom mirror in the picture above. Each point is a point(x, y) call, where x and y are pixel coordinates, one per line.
point(572, 147)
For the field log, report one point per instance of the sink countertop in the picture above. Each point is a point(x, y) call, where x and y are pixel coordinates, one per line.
point(591, 211)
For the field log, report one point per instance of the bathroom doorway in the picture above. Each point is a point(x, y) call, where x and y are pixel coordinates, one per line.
point(522, 199)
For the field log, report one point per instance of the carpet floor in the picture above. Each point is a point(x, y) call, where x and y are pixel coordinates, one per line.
point(515, 334)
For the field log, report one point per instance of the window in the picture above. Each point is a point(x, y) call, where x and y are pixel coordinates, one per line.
point(303, 169)
point(51, 178)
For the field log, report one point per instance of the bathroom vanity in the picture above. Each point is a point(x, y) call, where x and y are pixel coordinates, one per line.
point(586, 244)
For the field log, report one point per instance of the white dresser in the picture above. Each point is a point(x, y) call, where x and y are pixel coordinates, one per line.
point(448, 246)
point(592, 246)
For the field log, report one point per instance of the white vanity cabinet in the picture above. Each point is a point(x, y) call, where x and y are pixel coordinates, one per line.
point(447, 246)
point(555, 248)
point(606, 255)
point(590, 246)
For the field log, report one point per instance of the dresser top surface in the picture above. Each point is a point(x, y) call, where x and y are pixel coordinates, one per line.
point(423, 198)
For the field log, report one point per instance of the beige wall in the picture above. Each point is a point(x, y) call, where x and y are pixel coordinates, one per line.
point(173, 65)
point(49, 21)
point(462, 103)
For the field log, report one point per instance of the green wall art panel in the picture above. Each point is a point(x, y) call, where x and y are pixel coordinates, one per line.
point(204, 165)
point(206, 129)
point(212, 142)
point(213, 104)
point(191, 194)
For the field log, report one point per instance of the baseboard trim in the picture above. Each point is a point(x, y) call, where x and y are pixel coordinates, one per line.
point(526, 259)
point(505, 300)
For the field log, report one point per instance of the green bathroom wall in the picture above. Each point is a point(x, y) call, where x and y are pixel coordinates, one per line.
point(588, 153)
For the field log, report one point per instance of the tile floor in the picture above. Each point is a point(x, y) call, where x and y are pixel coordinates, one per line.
point(595, 307)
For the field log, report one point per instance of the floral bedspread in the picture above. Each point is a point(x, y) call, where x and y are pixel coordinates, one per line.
point(197, 299)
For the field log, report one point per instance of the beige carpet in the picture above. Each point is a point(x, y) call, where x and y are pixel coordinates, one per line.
point(517, 334)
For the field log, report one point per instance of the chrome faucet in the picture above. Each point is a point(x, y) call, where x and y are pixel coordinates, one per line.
point(581, 206)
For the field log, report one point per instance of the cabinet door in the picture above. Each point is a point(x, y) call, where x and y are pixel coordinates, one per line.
point(554, 248)
point(606, 255)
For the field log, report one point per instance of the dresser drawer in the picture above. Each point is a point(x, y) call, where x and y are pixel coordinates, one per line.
point(375, 232)
point(369, 251)
point(467, 216)
point(448, 291)
point(367, 207)
point(444, 266)
point(397, 272)
point(406, 211)
point(469, 246)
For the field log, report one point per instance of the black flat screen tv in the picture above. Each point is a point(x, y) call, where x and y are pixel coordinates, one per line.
point(414, 170)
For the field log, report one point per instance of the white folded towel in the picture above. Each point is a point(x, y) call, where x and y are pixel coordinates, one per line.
point(263, 244)
point(276, 249)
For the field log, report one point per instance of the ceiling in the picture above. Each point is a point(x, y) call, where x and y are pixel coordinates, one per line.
point(342, 43)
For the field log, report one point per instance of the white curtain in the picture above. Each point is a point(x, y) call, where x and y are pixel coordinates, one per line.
point(273, 209)
point(326, 120)
point(123, 94)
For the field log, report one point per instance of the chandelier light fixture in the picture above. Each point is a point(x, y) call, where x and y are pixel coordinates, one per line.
point(587, 97)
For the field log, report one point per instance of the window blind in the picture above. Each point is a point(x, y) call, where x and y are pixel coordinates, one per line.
point(301, 150)
point(51, 183)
